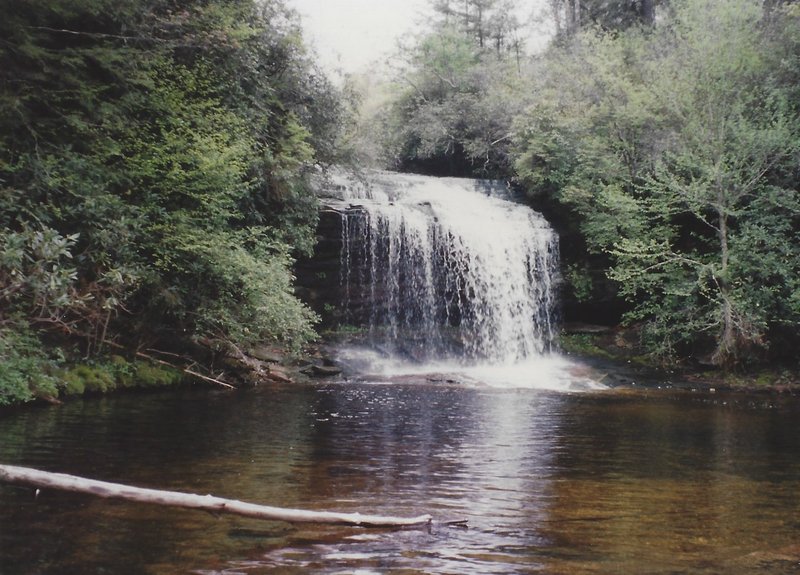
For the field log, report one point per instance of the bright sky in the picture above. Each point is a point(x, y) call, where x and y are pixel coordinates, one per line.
point(351, 35)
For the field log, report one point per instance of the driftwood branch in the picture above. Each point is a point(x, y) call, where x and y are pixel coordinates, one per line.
point(185, 370)
point(63, 482)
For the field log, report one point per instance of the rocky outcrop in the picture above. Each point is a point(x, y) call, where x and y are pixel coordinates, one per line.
point(318, 281)
point(264, 363)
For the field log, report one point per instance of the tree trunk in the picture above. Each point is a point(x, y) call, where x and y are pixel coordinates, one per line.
point(479, 25)
point(726, 346)
point(648, 12)
point(555, 6)
point(63, 482)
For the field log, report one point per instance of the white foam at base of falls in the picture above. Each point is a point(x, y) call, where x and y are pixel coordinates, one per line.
point(449, 275)
point(552, 372)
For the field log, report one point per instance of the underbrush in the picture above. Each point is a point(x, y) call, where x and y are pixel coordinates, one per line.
point(31, 370)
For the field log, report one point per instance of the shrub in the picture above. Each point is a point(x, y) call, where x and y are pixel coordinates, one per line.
point(25, 369)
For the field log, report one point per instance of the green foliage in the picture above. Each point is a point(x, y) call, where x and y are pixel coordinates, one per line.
point(676, 151)
point(613, 15)
point(88, 379)
point(584, 345)
point(150, 375)
point(580, 281)
point(35, 268)
point(106, 376)
point(250, 299)
point(487, 23)
point(26, 372)
point(154, 169)
point(457, 91)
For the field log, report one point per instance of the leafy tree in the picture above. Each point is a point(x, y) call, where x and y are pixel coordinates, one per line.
point(733, 134)
point(489, 23)
point(154, 162)
point(676, 153)
point(460, 88)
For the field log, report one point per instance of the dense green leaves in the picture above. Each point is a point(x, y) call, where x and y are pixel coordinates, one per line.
point(26, 372)
point(154, 161)
point(457, 91)
point(677, 149)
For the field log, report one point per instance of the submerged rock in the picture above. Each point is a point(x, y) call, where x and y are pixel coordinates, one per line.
point(322, 370)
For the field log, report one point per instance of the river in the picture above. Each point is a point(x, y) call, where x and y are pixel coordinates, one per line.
point(551, 482)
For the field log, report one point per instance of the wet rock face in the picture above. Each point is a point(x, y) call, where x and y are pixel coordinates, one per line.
point(318, 281)
point(322, 370)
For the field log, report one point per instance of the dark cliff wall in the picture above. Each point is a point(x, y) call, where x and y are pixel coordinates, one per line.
point(318, 280)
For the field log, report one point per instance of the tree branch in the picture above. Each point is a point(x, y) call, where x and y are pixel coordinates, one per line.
point(91, 34)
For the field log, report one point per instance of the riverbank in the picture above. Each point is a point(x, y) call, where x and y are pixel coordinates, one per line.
point(70, 377)
point(612, 354)
point(616, 354)
point(99, 376)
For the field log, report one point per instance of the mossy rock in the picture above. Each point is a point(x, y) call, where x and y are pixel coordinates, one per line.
point(149, 375)
point(584, 344)
point(115, 374)
point(88, 379)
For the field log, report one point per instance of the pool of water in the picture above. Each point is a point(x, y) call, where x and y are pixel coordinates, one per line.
point(550, 482)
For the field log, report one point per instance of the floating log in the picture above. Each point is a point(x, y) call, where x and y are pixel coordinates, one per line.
point(64, 482)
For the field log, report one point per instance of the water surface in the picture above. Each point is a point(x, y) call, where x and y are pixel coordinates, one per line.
point(655, 482)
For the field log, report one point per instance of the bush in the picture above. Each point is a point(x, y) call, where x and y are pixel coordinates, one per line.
point(116, 373)
point(25, 369)
point(88, 379)
point(149, 375)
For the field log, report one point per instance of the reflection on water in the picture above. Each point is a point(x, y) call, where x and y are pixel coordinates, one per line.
point(550, 482)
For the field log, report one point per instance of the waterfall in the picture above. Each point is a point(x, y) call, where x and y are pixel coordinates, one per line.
point(446, 269)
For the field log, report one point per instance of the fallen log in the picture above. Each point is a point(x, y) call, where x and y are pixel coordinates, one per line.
point(64, 482)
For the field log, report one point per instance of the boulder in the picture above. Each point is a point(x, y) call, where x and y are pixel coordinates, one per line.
point(322, 370)
point(266, 353)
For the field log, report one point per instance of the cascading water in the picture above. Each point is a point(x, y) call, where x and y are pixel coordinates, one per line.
point(445, 269)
